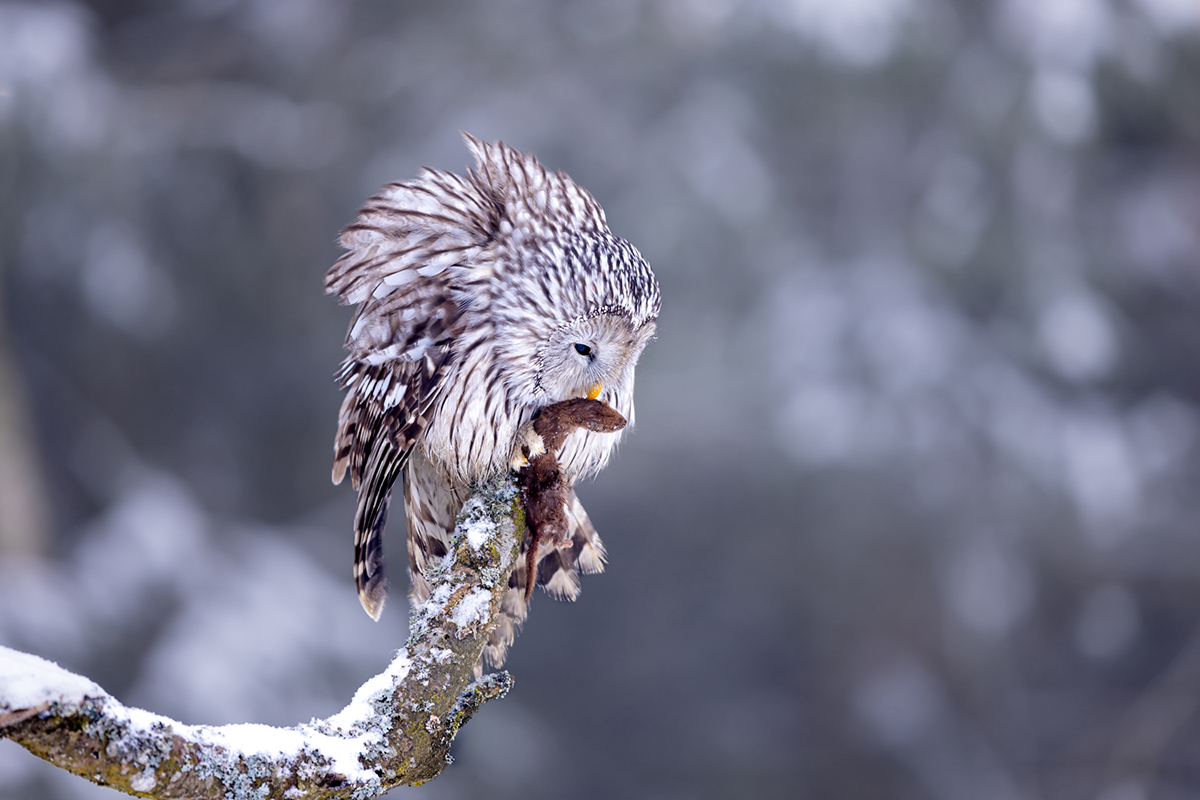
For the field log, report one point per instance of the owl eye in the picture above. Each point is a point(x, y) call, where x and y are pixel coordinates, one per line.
point(583, 349)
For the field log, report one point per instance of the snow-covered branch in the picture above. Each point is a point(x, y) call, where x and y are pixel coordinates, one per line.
point(397, 729)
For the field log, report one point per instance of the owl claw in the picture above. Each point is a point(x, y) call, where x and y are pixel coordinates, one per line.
point(528, 445)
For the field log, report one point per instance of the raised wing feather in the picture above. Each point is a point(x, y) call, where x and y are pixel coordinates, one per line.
point(405, 253)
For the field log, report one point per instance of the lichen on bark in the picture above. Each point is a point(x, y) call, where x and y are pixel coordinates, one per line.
point(397, 730)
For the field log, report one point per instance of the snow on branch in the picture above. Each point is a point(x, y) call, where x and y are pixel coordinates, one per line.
point(397, 729)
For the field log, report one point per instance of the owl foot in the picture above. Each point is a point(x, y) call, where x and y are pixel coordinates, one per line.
point(529, 445)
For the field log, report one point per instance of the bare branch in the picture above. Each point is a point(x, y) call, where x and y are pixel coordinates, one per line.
point(397, 729)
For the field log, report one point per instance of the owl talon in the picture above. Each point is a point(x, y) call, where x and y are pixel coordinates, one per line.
point(528, 445)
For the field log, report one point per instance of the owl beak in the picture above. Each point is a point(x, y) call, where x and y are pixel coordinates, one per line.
point(594, 392)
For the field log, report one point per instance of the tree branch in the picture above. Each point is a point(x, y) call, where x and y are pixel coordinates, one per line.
point(397, 729)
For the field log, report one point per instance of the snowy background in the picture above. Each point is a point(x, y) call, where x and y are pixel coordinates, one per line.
point(911, 510)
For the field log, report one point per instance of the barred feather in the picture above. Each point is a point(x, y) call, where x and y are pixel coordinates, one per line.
point(472, 292)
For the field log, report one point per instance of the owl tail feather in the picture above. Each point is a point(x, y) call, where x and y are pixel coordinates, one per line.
point(370, 577)
point(370, 518)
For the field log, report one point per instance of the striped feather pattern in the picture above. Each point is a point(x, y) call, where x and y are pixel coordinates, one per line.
point(471, 293)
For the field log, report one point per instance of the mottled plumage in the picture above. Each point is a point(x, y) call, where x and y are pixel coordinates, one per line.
point(481, 299)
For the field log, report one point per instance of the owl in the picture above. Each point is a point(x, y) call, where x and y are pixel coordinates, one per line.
point(480, 300)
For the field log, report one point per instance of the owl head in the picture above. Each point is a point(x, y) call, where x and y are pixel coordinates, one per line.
point(592, 356)
point(574, 304)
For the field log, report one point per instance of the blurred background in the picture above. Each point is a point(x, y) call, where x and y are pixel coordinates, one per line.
point(910, 510)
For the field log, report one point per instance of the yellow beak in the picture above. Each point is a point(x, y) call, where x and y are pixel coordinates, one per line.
point(594, 392)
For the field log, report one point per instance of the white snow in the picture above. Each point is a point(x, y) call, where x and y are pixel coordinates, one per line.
point(472, 609)
point(477, 526)
point(343, 753)
point(284, 744)
point(478, 533)
point(142, 720)
point(251, 738)
point(27, 681)
point(438, 599)
point(359, 709)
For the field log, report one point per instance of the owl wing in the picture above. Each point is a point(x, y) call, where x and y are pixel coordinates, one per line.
point(382, 418)
point(407, 256)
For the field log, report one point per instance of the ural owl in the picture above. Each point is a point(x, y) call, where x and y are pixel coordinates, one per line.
point(481, 299)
